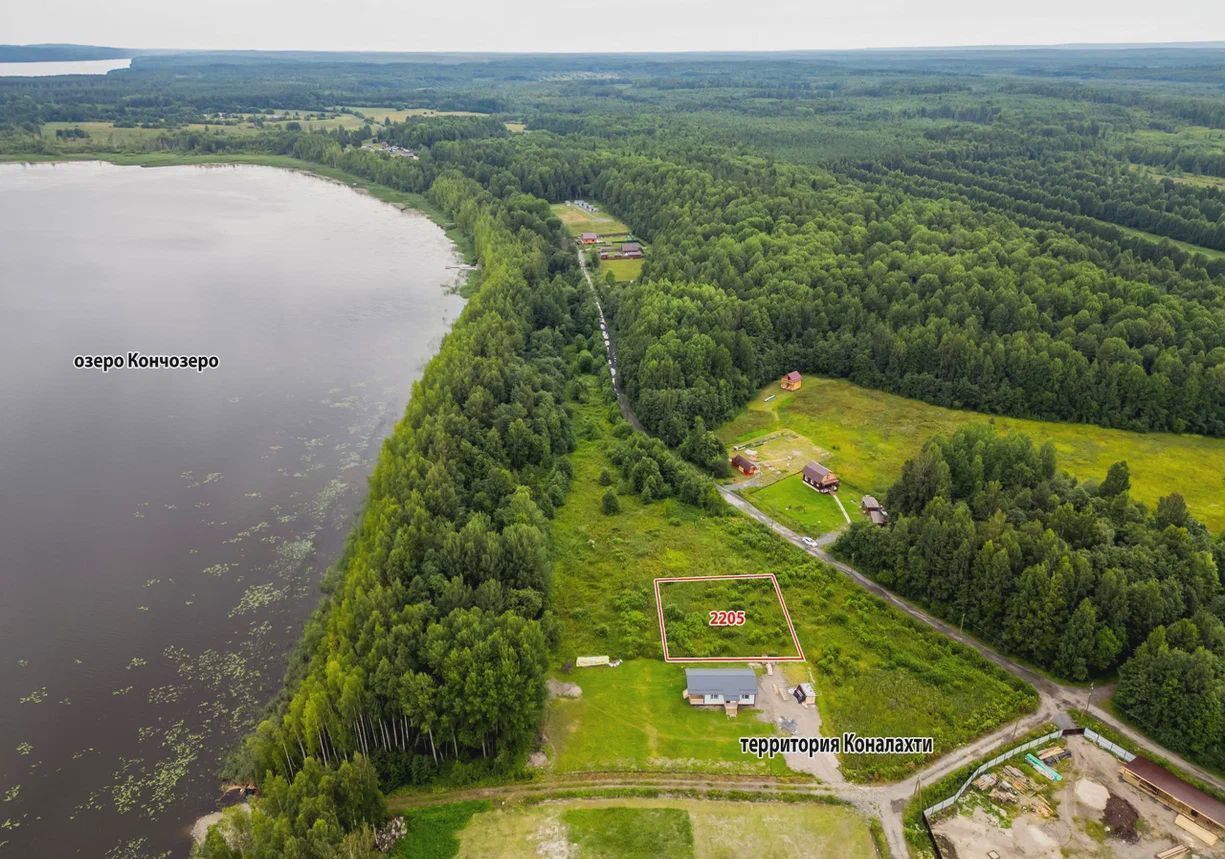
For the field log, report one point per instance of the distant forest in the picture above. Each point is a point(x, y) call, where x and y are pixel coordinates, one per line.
point(1038, 233)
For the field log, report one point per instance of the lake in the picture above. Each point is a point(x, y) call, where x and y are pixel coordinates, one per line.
point(163, 531)
point(68, 67)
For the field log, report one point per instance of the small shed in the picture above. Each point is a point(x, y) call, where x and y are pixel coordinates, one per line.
point(874, 511)
point(792, 381)
point(820, 478)
point(803, 693)
point(589, 238)
point(718, 686)
point(631, 250)
point(743, 464)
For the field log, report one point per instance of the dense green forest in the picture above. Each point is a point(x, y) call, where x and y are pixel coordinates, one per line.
point(1035, 233)
point(1076, 578)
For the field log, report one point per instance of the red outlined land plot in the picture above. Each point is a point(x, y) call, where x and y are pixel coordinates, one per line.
point(755, 657)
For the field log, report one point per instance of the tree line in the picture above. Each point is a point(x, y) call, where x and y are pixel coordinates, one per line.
point(1074, 577)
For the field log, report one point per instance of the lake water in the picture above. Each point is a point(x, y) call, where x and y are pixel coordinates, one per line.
point(163, 531)
point(70, 67)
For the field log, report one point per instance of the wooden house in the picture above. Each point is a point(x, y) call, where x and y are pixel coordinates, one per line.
point(631, 250)
point(589, 238)
point(820, 478)
point(743, 464)
point(792, 381)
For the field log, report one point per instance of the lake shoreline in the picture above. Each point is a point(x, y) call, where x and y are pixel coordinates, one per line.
point(296, 540)
point(402, 200)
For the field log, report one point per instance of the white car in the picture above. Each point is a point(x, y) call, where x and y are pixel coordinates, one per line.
point(809, 541)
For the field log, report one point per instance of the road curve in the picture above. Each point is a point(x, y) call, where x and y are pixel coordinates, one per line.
point(1055, 697)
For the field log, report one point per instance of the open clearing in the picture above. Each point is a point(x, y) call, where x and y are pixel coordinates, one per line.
point(875, 671)
point(803, 509)
point(1076, 828)
point(399, 114)
point(633, 718)
point(623, 270)
point(691, 631)
point(579, 221)
point(631, 828)
point(870, 435)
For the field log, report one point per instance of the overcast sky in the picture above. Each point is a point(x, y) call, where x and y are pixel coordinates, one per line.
point(586, 25)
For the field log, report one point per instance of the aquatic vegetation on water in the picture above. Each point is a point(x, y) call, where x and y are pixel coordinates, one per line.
point(257, 597)
point(35, 697)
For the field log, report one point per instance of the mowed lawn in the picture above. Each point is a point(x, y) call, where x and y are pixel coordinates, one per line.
point(578, 221)
point(673, 828)
point(875, 671)
point(803, 509)
point(870, 435)
point(623, 270)
point(634, 718)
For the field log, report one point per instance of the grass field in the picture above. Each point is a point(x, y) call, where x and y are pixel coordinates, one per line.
point(633, 718)
point(629, 833)
point(687, 607)
point(870, 435)
point(875, 671)
point(399, 114)
point(432, 832)
point(623, 270)
point(631, 828)
point(578, 221)
point(803, 509)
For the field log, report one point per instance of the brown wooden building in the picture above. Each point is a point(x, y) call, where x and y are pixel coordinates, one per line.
point(792, 381)
point(743, 464)
point(1171, 791)
point(874, 511)
point(820, 478)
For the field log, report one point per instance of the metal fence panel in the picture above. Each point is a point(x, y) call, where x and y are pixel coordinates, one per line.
point(994, 762)
point(1114, 748)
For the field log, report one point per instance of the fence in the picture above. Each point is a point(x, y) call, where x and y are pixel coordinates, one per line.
point(994, 762)
point(1114, 749)
point(1089, 734)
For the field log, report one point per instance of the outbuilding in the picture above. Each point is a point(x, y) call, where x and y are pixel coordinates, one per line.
point(820, 478)
point(874, 511)
point(792, 381)
point(1161, 784)
point(589, 238)
point(743, 464)
point(718, 686)
point(631, 250)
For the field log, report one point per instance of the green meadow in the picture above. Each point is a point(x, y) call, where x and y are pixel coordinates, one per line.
point(875, 671)
point(624, 828)
point(634, 718)
point(870, 434)
point(692, 632)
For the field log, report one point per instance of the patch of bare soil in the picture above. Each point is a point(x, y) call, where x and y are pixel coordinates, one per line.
point(1120, 819)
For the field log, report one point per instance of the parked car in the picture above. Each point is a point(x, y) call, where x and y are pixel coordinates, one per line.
point(809, 541)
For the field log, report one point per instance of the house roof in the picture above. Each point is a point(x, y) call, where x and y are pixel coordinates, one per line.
point(743, 461)
point(721, 681)
point(817, 471)
point(628, 247)
point(589, 235)
point(869, 502)
point(793, 376)
point(1166, 781)
point(878, 517)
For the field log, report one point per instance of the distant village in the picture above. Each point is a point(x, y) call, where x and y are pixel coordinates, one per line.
point(389, 149)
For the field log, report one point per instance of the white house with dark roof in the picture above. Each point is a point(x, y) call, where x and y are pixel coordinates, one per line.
point(717, 687)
